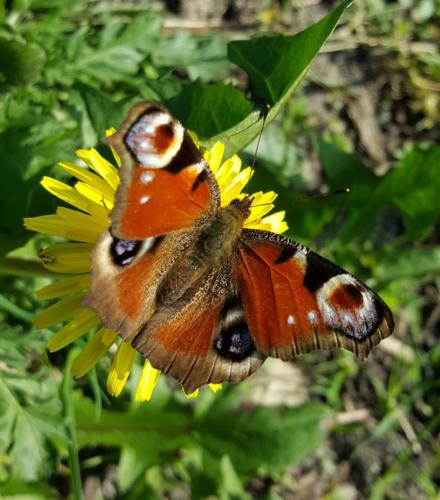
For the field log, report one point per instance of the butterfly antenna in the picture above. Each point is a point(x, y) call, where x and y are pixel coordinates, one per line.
point(264, 113)
point(329, 195)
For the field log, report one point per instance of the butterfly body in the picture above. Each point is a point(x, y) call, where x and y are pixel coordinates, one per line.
point(212, 241)
point(194, 289)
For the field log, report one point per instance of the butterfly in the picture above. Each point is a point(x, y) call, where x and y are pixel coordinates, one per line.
point(203, 298)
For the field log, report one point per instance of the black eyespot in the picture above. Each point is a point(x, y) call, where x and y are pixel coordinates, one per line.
point(124, 251)
point(235, 343)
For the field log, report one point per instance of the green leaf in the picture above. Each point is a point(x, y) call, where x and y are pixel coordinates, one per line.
point(265, 440)
point(97, 113)
point(110, 64)
point(344, 170)
point(30, 422)
point(16, 489)
point(20, 196)
point(230, 486)
point(142, 33)
point(262, 441)
point(208, 109)
point(275, 66)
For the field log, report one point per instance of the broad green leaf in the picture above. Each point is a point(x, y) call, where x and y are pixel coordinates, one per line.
point(358, 208)
point(20, 196)
point(275, 66)
point(17, 489)
point(344, 170)
point(142, 33)
point(206, 109)
point(230, 486)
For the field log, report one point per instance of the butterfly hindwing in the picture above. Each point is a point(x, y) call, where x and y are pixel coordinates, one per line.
point(165, 182)
point(125, 276)
point(296, 301)
point(202, 338)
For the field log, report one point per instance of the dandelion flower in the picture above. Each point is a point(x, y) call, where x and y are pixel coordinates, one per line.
point(92, 198)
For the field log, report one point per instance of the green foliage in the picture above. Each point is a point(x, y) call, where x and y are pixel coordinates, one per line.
point(276, 64)
point(30, 410)
point(241, 442)
point(68, 71)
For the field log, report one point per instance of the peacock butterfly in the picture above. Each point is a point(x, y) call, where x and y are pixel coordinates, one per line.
point(203, 298)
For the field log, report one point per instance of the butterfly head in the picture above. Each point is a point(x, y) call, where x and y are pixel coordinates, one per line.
point(243, 205)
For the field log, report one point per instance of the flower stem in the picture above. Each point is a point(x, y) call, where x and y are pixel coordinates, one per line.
point(69, 416)
point(16, 311)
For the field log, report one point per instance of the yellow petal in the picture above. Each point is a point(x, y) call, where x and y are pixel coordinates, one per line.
point(68, 224)
point(68, 194)
point(64, 286)
point(147, 382)
point(233, 191)
point(108, 133)
point(60, 311)
point(93, 351)
point(228, 172)
point(97, 197)
point(214, 156)
point(88, 177)
point(191, 395)
point(67, 258)
point(100, 165)
point(276, 221)
point(215, 387)
point(120, 369)
point(83, 322)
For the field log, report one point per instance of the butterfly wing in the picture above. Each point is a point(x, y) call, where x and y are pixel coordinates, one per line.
point(202, 338)
point(165, 182)
point(125, 276)
point(296, 301)
point(166, 186)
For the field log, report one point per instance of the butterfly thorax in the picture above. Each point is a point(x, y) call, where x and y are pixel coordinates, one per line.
point(214, 239)
point(218, 235)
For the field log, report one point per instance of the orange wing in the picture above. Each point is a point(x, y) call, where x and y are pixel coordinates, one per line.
point(296, 301)
point(125, 276)
point(165, 182)
point(202, 338)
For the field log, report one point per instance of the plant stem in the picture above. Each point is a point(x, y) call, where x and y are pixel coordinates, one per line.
point(69, 416)
point(13, 309)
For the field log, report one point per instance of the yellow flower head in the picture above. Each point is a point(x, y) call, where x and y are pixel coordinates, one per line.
point(92, 197)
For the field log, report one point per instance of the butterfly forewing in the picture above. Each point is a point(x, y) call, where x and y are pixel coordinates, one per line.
point(296, 301)
point(165, 182)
